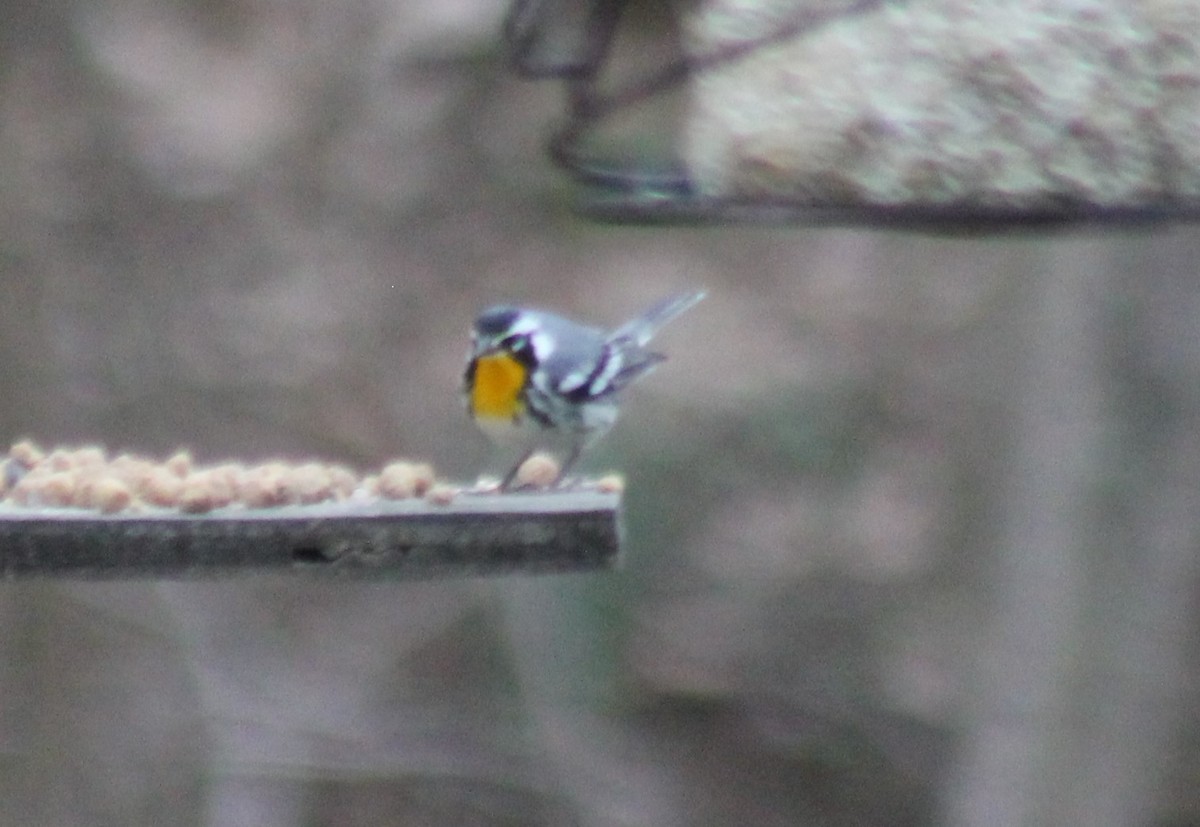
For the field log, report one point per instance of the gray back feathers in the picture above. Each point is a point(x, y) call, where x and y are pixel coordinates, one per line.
point(620, 357)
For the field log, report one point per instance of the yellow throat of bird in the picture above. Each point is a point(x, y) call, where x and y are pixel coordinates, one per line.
point(496, 392)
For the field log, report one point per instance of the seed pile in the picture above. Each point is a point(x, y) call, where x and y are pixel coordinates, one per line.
point(89, 478)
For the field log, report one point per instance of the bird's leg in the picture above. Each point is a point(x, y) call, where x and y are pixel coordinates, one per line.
point(511, 476)
point(568, 463)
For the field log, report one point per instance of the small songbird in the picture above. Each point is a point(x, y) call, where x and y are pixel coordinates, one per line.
point(535, 379)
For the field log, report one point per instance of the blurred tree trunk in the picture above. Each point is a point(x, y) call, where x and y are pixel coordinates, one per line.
point(1082, 661)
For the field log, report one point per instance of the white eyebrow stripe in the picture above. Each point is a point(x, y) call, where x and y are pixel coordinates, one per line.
point(543, 345)
point(525, 323)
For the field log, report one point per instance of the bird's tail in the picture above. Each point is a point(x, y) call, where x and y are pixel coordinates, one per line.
point(642, 329)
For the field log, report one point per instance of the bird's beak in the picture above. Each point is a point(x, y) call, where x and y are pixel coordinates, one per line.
point(475, 351)
point(481, 348)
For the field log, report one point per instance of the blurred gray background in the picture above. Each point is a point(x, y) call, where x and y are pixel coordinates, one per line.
point(912, 520)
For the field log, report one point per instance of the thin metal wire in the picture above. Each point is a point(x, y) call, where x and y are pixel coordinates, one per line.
point(588, 105)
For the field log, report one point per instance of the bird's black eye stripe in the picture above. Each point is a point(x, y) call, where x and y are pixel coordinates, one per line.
point(520, 346)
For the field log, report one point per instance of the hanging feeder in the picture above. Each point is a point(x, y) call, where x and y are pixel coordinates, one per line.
point(932, 113)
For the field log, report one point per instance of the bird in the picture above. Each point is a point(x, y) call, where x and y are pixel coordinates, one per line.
point(540, 380)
